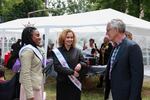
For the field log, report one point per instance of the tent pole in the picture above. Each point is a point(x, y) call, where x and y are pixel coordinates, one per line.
point(46, 43)
point(3, 37)
point(147, 53)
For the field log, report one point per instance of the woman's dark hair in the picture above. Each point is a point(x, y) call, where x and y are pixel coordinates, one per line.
point(27, 36)
point(91, 40)
point(14, 54)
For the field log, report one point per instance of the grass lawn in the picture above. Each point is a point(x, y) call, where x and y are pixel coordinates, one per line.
point(90, 92)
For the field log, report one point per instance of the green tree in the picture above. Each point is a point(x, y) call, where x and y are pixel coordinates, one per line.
point(72, 7)
point(57, 7)
point(119, 5)
point(146, 9)
point(77, 6)
point(134, 7)
point(1, 5)
point(14, 9)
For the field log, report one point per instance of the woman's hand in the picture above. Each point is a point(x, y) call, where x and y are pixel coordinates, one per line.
point(76, 74)
point(78, 67)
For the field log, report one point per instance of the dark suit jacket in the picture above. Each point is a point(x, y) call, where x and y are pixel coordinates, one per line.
point(127, 73)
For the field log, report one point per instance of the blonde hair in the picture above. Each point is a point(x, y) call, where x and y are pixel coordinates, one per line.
point(129, 35)
point(63, 35)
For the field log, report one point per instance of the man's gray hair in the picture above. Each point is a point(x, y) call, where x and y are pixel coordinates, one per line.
point(118, 24)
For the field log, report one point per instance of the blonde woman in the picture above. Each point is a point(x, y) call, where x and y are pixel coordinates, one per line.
point(66, 88)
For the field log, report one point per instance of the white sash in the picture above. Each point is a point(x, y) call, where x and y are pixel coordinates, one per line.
point(35, 50)
point(63, 62)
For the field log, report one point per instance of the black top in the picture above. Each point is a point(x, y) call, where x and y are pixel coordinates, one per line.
point(72, 57)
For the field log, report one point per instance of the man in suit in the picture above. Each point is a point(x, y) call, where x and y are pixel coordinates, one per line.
point(124, 73)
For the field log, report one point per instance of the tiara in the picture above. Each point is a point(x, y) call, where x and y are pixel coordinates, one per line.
point(28, 24)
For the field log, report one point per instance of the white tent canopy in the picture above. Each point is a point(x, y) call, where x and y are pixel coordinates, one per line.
point(93, 19)
point(86, 23)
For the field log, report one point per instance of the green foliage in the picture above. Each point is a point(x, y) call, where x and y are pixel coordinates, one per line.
point(13, 9)
point(146, 8)
point(57, 7)
point(6, 6)
point(78, 6)
point(119, 5)
point(134, 7)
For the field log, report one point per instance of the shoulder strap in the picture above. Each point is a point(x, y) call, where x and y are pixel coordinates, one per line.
point(61, 58)
point(35, 50)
